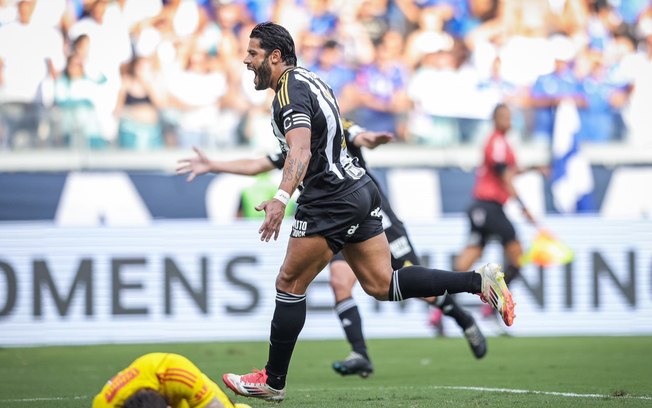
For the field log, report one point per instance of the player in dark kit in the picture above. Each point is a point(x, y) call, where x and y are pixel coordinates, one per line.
point(338, 210)
point(403, 254)
point(342, 278)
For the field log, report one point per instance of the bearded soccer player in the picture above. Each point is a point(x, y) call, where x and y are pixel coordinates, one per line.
point(342, 278)
point(338, 210)
point(162, 380)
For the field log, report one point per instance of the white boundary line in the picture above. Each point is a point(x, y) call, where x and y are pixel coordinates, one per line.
point(555, 393)
point(75, 397)
point(439, 387)
point(506, 391)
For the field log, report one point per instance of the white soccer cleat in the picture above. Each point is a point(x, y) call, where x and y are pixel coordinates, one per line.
point(253, 385)
point(495, 291)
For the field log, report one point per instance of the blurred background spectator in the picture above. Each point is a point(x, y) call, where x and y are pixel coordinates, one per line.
point(74, 116)
point(138, 105)
point(331, 67)
point(195, 91)
point(380, 91)
point(169, 73)
point(31, 57)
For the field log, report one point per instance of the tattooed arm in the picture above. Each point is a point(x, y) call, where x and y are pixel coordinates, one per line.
point(294, 170)
point(298, 157)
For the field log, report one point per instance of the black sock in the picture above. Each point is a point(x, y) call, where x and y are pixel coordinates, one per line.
point(511, 272)
point(351, 321)
point(418, 281)
point(288, 320)
point(449, 307)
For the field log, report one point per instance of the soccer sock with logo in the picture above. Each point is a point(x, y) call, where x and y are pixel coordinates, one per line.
point(450, 308)
point(351, 321)
point(418, 281)
point(287, 322)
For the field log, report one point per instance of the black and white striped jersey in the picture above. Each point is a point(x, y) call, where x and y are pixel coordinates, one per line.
point(304, 100)
point(351, 130)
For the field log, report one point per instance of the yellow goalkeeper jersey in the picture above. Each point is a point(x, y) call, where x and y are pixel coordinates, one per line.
point(174, 376)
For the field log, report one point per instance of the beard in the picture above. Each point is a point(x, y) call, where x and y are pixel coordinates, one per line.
point(264, 74)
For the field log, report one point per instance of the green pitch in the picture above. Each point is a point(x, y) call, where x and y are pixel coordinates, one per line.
point(441, 372)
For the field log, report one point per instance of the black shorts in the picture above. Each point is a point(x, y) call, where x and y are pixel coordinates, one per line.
point(399, 243)
point(488, 221)
point(353, 218)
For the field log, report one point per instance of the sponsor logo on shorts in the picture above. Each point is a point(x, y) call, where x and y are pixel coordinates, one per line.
point(400, 247)
point(299, 228)
point(352, 230)
point(376, 212)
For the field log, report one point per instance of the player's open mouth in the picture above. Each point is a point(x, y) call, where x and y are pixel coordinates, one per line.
point(250, 68)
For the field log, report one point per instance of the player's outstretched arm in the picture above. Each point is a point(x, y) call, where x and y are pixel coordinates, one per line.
point(201, 164)
point(371, 140)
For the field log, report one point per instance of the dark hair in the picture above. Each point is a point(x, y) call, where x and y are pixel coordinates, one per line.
point(78, 40)
point(275, 37)
point(331, 44)
point(497, 108)
point(146, 398)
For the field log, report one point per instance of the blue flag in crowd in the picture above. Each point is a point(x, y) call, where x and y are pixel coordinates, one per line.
point(572, 180)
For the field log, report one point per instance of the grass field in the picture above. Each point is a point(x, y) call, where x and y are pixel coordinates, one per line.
point(441, 372)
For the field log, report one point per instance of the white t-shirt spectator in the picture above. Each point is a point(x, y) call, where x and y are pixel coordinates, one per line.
point(133, 11)
point(110, 45)
point(25, 50)
point(49, 13)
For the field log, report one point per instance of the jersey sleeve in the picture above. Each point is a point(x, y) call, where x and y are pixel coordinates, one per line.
point(100, 402)
point(122, 386)
point(295, 103)
point(182, 380)
point(351, 130)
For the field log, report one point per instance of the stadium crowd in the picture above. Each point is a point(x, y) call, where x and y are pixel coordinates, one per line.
point(147, 74)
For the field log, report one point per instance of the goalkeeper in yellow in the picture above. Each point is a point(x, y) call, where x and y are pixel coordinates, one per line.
point(162, 380)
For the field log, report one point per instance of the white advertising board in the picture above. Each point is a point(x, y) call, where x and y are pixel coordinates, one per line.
point(197, 281)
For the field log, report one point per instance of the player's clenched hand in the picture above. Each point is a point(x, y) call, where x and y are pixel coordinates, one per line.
point(274, 214)
point(196, 166)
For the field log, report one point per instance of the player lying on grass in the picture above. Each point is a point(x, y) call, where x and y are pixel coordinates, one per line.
point(162, 380)
point(342, 278)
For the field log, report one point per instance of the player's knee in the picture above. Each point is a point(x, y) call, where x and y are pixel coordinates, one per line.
point(376, 289)
point(287, 282)
point(341, 288)
point(341, 283)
